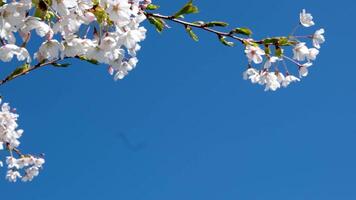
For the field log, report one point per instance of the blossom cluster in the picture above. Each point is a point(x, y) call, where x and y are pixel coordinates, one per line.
point(275, 79)
point(9, 140)
point(30, 164)
point(105, 31)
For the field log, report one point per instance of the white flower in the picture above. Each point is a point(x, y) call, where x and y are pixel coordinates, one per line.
point(313, 52)
point(254, 53)
point(269, 62)
point(132, 37)
point(9, 134)
point(49, 50)
point(306, 19)
point(252, 74)
point(318, 38)
point(119, 11)
point(32, 23)
point(303, 69)
point(270, 80)
point(63, 6)
point(12, 162)
point(300, 51)
point(289, 79)
point(8, 51)
point(12, 175)
point(30, 174)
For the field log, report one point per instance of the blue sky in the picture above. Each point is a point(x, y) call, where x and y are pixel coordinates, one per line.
point(184, 125)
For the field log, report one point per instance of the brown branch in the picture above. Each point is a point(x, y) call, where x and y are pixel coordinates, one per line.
point(30, 69)
point(200, 26)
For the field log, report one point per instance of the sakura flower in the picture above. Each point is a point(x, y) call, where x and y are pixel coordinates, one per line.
point(270, 80)
point(49, 50)
point(8, 51)
point(254, 53)
point(289, 79)
point(32, 23)
point(303, 69)
point(269, 61)
point(313, 52)
point(12, 162)
point(31, 173)
point(63, 6)
point(132, 37)
point(119, 11)
point(12, 175)
point(306, 19)
point(318, 38)
point(300, 51)
point(252, 74)
point(9, 134)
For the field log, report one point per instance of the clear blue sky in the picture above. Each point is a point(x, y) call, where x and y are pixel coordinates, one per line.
point(184, 125)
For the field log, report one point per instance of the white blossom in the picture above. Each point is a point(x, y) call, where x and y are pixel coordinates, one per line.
point(270, 60)
point(12, 175)
point(49, 50)
point(313, 52)
point(8, 51)
point(254, 53)
point(300, 51)
point(289, 79)
point(306, 19)
point(303, 69)
point(318, 38)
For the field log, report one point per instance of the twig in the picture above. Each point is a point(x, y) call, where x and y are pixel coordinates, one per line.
point(201, 26)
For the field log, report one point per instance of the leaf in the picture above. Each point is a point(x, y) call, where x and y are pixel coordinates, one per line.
point(225, 42)
point(157, 22)
point(216, 23)
point(152, 7)
point(92, 61)
point(279, 52)
point(22, 69)
point(188, 8)
point(270, 41)
point(61, 65)
point(242, 31)
point(191, 33)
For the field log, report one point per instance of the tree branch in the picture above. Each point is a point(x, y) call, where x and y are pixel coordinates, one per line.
point(200, 26)
point(30, 69)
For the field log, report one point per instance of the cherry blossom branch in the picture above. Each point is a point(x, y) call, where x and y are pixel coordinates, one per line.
point(35, 67)
point(26, 71)
point(202, 26)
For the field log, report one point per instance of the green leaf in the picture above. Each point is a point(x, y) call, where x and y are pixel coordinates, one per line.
point(191, 33)
point(242, 31)
point(188, 8)
point(157, 22)
point(92, 61)
point(152, 7)
point(225, 42)
point(267, 50)
point(2, 3)
point(270, 41)
point(61, 65)
point(19, 71)
point(279, 52)
point(216, 23)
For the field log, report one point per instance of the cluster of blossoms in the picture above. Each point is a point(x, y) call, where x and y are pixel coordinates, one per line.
point(30, 164)
point(274, 79)
point(105, 31)
point(9, 140)
point(109, 32)
point(98, 31)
